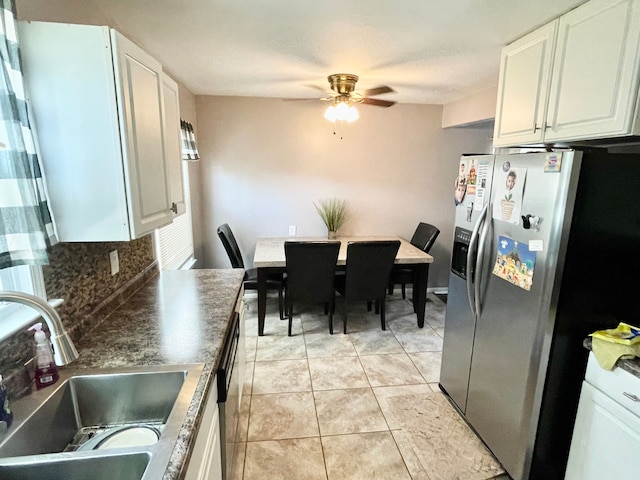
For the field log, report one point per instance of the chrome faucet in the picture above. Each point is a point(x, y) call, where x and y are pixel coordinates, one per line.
point(64, 352)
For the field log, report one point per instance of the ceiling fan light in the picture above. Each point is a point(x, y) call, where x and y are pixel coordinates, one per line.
point(342, 112)
point(331, 114)
point(352, 114)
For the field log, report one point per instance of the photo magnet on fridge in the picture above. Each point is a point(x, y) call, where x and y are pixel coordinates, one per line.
point(507, 203)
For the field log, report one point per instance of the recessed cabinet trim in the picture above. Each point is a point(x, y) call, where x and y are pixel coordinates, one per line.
point(98, 113)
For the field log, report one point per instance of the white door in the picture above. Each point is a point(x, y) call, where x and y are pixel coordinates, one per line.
point(523, 86)
point(138, 76)
point(594, 84)
point(606, 439)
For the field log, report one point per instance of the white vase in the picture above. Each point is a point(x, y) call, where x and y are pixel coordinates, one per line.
point(332, 234)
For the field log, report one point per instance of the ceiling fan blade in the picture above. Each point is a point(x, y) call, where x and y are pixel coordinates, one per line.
point(377, 91)
point(376, 102)
point(314, 86)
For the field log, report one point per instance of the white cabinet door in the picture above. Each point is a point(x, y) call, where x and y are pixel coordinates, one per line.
point(523, 86)
point(606, 439)
point(205, 462)
point(173, 145)
point(594, 84)
point(97, 107)
point(139, 79)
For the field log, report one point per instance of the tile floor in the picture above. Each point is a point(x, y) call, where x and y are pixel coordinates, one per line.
point(320, 406)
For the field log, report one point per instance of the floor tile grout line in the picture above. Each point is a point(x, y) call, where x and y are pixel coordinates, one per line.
point(371, 387)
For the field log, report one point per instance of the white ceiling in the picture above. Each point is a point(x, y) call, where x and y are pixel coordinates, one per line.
point(428, 51)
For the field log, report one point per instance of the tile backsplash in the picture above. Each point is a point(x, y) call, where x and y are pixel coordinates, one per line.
point(80, 274)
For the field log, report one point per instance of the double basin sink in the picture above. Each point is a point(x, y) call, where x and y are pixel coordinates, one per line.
point(52, 427)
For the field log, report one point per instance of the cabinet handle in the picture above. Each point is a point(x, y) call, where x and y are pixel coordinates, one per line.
point(535, 127)
point(174, 207)
point(631, 396)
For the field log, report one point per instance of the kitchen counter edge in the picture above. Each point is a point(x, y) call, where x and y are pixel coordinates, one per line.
point(631, 365)
point(177, 317)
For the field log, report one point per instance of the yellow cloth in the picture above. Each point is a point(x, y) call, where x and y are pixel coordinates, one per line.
point(608, 353)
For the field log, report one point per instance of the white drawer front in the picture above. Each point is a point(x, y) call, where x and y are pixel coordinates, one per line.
point(620, 385)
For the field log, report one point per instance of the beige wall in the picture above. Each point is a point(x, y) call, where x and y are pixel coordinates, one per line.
point(264, 162)
point(480, 107)
point(64, 11)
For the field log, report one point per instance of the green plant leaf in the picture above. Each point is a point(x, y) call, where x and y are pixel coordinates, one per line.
point(333, 212)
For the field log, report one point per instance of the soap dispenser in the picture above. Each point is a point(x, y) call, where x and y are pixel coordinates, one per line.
point(46, 370)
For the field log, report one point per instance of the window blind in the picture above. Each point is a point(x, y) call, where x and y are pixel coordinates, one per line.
point(174, 242)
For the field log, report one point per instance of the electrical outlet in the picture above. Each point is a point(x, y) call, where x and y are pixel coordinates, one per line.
point(115, 262)
point(292, 230)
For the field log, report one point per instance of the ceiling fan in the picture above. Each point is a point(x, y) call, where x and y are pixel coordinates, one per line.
point(343, 86)
point(343, 97)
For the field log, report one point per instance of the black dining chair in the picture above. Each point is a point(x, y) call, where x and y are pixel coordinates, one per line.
point(275, 281)
point(310, 268)
point(367, 273)
point(423, 238)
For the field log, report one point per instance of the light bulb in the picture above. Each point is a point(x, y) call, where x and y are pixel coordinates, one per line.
point(352, 114)
point(341, 111)
point(330, 114)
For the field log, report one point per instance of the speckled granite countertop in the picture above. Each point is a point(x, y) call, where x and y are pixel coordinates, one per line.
point(178, 317)
point(630, 365)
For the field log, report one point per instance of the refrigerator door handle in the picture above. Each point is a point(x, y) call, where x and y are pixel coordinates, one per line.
point(481, 245)
point(472, 259)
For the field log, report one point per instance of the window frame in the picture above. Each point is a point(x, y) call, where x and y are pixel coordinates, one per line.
point(23, 278)
point(180, 230)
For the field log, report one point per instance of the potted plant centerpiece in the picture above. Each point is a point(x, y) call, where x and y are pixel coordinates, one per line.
point(333, 212)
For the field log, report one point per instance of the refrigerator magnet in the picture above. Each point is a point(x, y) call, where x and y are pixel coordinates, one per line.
point(515, 262)
point(460, 190)
point(481, 187)
point(507, 203)
point(536, 245)
point(553, 162)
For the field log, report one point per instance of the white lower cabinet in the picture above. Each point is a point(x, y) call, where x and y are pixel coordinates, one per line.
point(606, 436)
point(206, 458)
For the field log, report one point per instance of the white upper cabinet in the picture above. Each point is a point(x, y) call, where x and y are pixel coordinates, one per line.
point(98, 109)
point(173, 143)
point(594, 67)
point(525, 72)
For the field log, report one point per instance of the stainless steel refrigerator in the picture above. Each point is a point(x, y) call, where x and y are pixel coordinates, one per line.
point(546, 250)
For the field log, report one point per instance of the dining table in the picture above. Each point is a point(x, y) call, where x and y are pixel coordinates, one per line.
point(269, 258)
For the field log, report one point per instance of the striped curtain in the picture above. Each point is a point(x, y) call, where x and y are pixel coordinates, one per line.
point(189, 147)
point(26, 228)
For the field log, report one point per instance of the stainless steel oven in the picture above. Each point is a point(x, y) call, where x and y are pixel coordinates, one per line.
point(230, 377)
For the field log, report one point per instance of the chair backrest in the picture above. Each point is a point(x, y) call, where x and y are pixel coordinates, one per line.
point(369, 265)
point(425, 236)
point(311, 268)
point(230, 245)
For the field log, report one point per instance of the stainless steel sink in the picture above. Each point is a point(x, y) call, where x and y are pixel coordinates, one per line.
point(50, 425)
point(106, 467)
